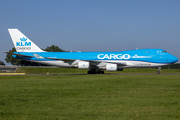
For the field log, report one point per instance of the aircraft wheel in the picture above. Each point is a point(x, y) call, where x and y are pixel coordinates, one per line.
point(158, 72)
point(91, 72)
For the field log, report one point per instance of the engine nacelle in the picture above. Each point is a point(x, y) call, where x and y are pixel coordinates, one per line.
point(113, 67)
point(83, 65)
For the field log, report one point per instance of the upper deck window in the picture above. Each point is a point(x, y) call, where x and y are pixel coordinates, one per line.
point(163, 51)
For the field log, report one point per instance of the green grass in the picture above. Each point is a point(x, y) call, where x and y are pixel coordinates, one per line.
point(38, 70)
point(90, 97)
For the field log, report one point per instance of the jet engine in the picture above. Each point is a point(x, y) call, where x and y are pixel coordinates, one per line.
point(113, 67)
point(83, 65)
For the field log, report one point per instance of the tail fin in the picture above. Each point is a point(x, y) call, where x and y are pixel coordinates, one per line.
point(22, 43)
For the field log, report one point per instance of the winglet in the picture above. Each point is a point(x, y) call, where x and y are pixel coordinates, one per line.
point(22, 43)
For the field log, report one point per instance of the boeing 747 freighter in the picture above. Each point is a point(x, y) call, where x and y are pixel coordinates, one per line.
point(96, 62)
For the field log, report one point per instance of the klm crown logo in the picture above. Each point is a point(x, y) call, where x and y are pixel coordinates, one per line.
point(23, 42)
point(23, 39)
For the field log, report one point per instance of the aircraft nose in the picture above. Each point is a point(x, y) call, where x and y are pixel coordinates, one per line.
point(172, 58)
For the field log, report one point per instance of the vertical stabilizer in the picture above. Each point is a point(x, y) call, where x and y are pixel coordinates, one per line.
point(22, 43)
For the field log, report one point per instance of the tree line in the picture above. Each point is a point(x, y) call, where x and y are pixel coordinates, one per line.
point(1, 63)
point(173, 66)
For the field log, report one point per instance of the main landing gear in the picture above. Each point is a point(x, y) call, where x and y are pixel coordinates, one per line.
point(95, 72)
point(159, 70)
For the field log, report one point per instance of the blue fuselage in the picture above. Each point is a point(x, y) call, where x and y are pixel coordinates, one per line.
point(158, 56)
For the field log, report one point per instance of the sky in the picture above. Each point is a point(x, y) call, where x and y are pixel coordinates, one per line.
point(93, 25)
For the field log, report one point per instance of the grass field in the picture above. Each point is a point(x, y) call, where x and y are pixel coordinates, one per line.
point(90, 97)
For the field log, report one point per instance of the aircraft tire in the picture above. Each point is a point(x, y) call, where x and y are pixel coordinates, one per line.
point(95, 72)
point(99, 72)
point(91, 72)
point(158, 71)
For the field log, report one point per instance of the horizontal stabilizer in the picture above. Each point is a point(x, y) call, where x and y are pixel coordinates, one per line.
point(20, 55)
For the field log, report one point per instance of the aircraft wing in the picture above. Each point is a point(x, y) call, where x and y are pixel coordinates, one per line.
point(20, 55)
point(65, 60)
point(61, 59)
point(119, 63)
point(92, 61)
point(68, 60)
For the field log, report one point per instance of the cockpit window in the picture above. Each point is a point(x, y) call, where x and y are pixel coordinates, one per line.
point(163, 51)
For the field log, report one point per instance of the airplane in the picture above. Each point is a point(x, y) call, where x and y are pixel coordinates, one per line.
point(96, 62)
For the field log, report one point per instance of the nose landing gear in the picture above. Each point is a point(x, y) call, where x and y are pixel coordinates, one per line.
point(159, 70)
